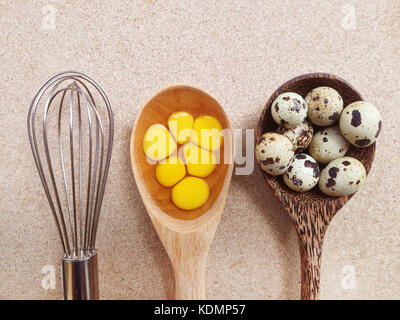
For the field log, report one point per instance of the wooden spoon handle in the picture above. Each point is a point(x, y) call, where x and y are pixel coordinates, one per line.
point(188, 252)
point(190, 279)
point(310, 255)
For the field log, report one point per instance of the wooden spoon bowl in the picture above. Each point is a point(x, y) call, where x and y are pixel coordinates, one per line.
point(312, 211)
point(186, 235)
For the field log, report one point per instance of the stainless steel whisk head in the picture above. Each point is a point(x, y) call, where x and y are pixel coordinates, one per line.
point(71, 140)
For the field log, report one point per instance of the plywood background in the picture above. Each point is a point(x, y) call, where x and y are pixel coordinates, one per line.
point(239, 51)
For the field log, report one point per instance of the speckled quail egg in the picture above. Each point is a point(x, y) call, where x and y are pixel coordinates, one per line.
point(274, 152)
point(328, 144)
point(342, 177)
point(324, 106)
point(300, 135)
point(289, 109)
point(302, 174)
point(360, 123)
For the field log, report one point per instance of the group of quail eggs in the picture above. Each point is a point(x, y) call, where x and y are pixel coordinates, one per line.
point(282, 152)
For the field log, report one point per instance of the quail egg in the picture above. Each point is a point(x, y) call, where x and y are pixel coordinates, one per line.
point(274, 152)
point(300, 135)
point(289, 109)
point(302, 174)
point(324, 106)
point(328, 144)
point(360, 123)
point(342, 177)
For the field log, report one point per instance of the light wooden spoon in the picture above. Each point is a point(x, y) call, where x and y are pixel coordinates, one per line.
point(186, 235)
point(312, 211)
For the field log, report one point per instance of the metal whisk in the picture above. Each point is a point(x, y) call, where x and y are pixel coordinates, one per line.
point(71, 146)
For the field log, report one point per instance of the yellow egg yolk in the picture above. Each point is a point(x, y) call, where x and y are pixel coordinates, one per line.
point(207, 133)
point(170, 171)
point(180, 125)
point(190, 193)
point(199, 162)
point(158, 143)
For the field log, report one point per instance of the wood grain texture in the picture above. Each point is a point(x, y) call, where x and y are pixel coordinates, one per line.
point(186, 235)
point(311, 211)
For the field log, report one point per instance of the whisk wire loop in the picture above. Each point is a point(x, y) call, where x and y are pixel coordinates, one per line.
point(82, 211)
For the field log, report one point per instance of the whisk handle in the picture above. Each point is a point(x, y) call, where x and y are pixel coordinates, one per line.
point(80, 278)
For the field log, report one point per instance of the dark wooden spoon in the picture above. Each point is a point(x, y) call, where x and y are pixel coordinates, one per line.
point(312, 211)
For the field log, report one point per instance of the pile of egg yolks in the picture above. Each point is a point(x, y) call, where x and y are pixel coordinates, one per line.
point(199, 138)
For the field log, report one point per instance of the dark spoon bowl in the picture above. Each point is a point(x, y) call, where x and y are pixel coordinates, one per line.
point(311, 211)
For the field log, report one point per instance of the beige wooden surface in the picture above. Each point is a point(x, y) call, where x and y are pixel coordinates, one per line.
point(239, 52)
